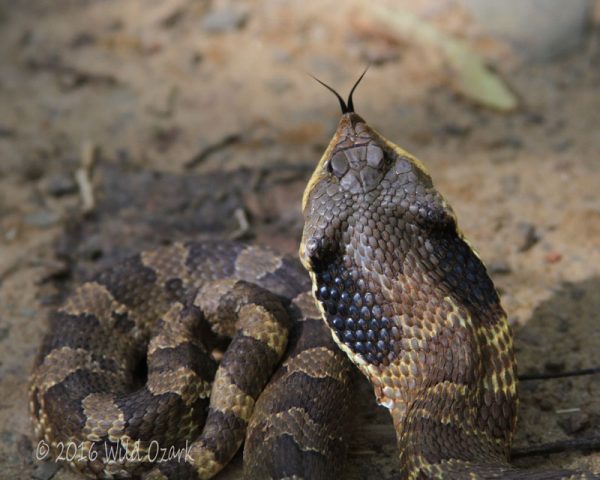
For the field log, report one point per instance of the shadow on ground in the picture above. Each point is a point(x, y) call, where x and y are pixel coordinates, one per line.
point(561, 335)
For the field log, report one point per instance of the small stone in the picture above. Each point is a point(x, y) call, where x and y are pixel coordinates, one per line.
point(499, 267)
point(60, 184)
point(42, 218)
point(575, 422)
point(534, 118)
point(223, 20)
point(452, 129)
point(506, 142)
point(28, 312)
point(553, 257)
point(512, 141)
point(528, 236)
point(11, 234)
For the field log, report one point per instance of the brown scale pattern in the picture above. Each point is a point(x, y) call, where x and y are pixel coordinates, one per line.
point(411, 304)
point(404, 295)
point(165, 308)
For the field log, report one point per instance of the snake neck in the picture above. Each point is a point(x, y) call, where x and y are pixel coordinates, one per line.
point(435, 345)
point(411, 304)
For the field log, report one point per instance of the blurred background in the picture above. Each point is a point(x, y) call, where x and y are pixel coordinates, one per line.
point(127, 124)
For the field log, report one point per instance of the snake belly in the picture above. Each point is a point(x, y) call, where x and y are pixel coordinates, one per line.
point(411, 304)
point(126, 374)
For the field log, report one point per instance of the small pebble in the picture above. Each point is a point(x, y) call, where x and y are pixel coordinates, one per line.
point(454, 130)
point(223, 20)
point(60, 184)
point(499, 267)
point(534, 118)
point(508, 141)
point(11, 234)
point(42, 218)
point(528, 236)
point(553, 257)
point(28, 312)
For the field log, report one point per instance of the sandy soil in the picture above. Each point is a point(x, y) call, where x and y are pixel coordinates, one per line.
point(201, 122)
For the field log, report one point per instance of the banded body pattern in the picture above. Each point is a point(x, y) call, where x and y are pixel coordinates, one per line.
point(128, 364)
point(411, 304)
point(130, 358)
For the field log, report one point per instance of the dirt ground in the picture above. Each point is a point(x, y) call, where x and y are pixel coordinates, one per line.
point(204, 122)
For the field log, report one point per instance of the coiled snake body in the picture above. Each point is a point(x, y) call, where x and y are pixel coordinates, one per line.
point(404, 295)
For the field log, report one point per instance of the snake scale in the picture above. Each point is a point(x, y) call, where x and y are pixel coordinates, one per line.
point(131, 362)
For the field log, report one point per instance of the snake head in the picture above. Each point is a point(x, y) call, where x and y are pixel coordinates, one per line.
point(364, 191)
point(389, 267)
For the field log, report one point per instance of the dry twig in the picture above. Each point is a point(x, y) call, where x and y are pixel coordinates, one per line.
point(83, 175)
